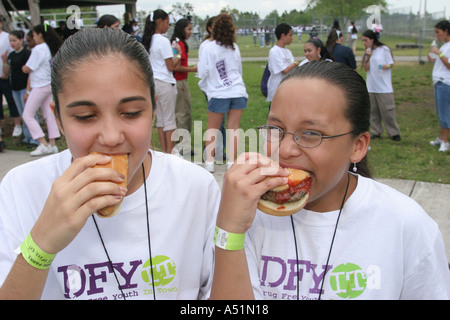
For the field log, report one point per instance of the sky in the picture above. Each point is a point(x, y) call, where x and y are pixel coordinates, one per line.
point(202, 8)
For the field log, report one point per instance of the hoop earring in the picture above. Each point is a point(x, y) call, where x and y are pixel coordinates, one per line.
point(354, 167)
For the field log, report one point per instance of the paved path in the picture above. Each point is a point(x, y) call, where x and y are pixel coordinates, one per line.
point(433, 197)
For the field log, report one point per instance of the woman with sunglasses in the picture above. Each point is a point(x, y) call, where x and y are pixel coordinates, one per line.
point(355, 239)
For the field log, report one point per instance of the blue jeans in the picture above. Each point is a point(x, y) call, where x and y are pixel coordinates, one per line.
point(20, 104)
point(217, 105)
point(442, 97)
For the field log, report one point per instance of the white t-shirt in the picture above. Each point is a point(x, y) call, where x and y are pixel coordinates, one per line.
point(183, 200)
point(202, 82)
point(386, 247)
point(221, 69)
point(379, 80)
point(440, 71)
point(279, 59)
point(4, 44)
point(161, 50)
point(40, 62)
point(350, 31)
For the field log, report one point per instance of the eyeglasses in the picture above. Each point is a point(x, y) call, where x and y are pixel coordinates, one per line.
point(303, 138)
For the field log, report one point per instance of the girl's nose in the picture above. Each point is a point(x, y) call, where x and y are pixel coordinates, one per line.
point(110, 134)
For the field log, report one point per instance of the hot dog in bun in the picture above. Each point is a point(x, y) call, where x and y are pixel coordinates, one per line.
point(287, 199)
point(120, 164)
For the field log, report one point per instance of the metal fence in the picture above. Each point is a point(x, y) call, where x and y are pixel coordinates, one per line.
point(416, 26)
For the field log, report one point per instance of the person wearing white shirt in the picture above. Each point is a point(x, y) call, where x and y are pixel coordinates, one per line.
point(352, 36)
point(354, 239)
point(220, 147)
point(163, 61)
point(220, 66)
point(39, 68)
point(441, 81)
point(160, 243)
point(378, 62)
point(281, 60)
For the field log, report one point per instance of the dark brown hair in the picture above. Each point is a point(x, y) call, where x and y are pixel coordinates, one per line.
point(50, 36)
point(150, 26)
point(223, 31)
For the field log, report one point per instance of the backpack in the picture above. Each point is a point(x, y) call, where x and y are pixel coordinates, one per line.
point(265, 78)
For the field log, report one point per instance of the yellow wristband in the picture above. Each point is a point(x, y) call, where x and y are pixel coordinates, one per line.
point(441, 55)
point(34, 255)
point(229, 241)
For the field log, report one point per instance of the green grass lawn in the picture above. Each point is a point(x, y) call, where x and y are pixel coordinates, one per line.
point(412, 158)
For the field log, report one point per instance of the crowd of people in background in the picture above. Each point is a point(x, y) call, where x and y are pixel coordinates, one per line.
point(209, 243)
point(26, 78)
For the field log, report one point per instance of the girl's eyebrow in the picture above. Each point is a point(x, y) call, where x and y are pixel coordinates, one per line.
point(92, 104)
point(80, 103)
point(304, 122)
point(272, 118)
point(133, 98)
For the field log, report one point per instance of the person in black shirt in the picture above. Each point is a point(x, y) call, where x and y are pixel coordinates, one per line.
point(63, 31)
point(339, 52)
point(12, 68)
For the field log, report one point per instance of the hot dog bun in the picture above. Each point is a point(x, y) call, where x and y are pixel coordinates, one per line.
point(287, 199)
point(120, 164)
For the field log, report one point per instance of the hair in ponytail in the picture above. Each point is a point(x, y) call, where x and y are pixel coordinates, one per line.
point(316, 42)
point(51, 38)
point(150, 27)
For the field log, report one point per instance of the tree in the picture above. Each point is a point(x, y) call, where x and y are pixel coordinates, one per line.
point(346, 10)
point(295, 18)
point(271, 19)
point(5, 19)
point(183, 9)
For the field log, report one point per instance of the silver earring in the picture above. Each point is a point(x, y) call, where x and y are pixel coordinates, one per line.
point(354, 167)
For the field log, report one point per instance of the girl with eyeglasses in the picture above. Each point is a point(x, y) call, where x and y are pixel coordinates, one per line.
point(355, 239)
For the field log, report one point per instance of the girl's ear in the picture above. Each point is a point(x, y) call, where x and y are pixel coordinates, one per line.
point(361, 146)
